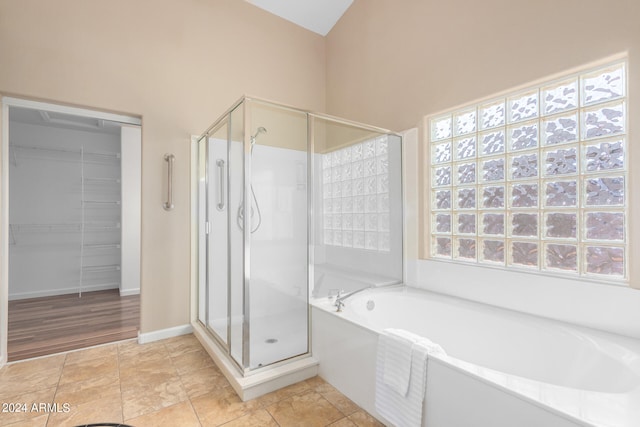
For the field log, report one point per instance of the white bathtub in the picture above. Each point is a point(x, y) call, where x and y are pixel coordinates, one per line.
point(502, 368)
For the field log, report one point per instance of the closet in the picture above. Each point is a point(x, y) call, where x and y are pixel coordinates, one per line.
point(64, 205)
point(73, 230)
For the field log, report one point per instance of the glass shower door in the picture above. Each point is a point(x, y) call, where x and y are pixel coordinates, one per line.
point(213, 250)
point(279, 235)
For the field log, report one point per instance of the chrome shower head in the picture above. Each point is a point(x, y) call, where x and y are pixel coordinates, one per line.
point(258, 132)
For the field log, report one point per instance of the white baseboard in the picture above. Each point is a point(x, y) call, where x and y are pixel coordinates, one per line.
point(63, 291)
point(161, 334)
point(127, 292)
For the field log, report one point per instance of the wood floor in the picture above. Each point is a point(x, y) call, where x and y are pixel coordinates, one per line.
point(48, 325)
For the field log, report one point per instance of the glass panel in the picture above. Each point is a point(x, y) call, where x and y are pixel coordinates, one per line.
point(605, 225)
point(443, 246)
point(561, 161)
point(466, 173)
point(367, 239)
point(466, 249)
point(604, 156)
point(371, 240)
point(563, 257)
point(383, 202)
point(604, 191)
point(524, 195)
point(202, 235)
point(524, 166)
point(441, 153)
point(442, 176)
point(382, 145)
point(217, 250)
point(560, 130)
point(561, 143)
point(493, 224)
point(561, 225)
point(371, 203)
point(493, 197)
point(605, 260)
point(467, 198)
point(467, 223)
point(524, 254)
point(560, 97)
point(279, 244)
point(441, 128)
point(384, 242)
point(369, 149)
point(383, 222)
point(561, 193)
point(523, 107)
point(466, 147)
point(603, 85)
point(493, 250)
point(443, 199)
point(603, 121)
point(442, 223)
point(236, 236)
point(492, 115)
point(524, 224)
point(465, 122)
point(493, 170)
point(492, 142)
point(523, 136)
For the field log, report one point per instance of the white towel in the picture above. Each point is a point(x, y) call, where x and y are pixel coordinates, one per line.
point(402, 409)
point(397, 362)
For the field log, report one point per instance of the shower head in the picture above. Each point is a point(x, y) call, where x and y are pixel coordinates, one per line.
point(258, 132)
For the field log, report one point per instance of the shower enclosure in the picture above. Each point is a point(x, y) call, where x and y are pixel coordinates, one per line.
point(262, 210)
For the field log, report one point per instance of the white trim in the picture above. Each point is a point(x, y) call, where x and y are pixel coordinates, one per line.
point(129, 292)
point(263, 380)
point(161, 334)
point(194, 229)
point(4, 238)
point(84, 112)
point(62, 291)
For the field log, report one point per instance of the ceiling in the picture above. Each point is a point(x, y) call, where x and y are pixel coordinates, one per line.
point(318, 16)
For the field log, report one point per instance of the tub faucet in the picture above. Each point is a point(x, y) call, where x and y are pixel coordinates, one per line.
point(339, 304)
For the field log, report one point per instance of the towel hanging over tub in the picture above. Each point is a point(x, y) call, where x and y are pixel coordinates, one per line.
point(401, 376)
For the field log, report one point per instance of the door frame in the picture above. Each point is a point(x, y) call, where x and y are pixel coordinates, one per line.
point(7, 102)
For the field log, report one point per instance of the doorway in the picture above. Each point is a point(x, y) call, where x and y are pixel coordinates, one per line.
point(71, 222)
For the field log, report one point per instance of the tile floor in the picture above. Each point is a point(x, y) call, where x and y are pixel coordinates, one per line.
point(170, 382)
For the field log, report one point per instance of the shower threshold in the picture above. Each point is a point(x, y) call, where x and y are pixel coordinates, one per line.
point(263, 380)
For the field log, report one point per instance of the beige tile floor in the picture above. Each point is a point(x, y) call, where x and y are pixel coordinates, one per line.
point(172, 382)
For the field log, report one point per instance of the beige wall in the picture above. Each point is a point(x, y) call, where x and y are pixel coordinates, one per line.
point(390, 63)
point(177, 63)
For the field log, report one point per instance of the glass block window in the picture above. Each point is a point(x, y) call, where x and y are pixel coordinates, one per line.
point(536, 179)
point(355, 192)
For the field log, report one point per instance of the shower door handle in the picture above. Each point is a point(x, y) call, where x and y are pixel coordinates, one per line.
point(168, 205)
point(220, 165)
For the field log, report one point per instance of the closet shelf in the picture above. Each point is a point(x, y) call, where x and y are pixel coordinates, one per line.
point(102, 180)
point(101, 268)
point(75, 227)
point(102, 202)
point(94, 156)
point(103, 246)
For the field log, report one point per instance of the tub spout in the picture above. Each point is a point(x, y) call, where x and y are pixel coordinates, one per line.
point(339, 304)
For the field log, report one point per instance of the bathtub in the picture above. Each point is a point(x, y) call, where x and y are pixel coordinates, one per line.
point(502, 368)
